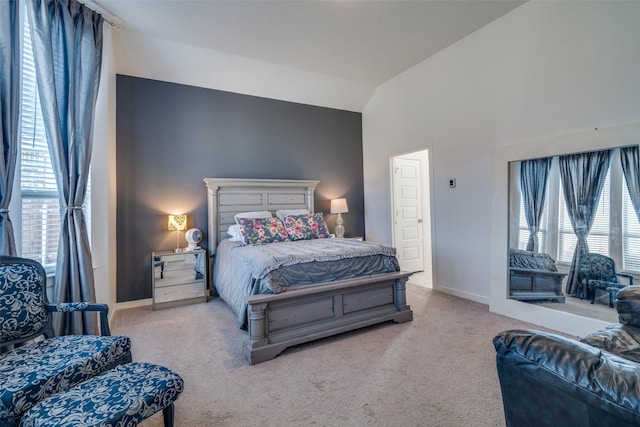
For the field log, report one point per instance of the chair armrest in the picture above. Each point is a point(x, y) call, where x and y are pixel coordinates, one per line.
point(605, 284)
point(68, 307)
point(538, 272)
point(629, 277)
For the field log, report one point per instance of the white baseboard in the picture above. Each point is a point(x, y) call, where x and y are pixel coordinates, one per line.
point(132, 304)
point(461, 294)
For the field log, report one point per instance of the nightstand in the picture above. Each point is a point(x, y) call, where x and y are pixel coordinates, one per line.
point(179, 277)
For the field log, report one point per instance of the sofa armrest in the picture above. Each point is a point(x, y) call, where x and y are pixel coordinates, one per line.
point(628, 305)
point(623, 340)
point(572, 379)
point(102, 309)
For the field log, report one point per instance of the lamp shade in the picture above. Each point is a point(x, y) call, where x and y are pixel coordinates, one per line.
point(339, 206)
point(177, 222)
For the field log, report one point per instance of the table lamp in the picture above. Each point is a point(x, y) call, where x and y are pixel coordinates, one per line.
point(339, 206)
point(178, 223)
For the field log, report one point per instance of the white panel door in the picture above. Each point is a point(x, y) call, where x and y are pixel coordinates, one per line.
point(407, 212)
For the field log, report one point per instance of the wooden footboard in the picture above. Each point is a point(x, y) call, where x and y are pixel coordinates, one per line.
point(278, 321)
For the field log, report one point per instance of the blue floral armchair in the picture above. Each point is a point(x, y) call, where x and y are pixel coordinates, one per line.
point(598, 272)
point(35, 364)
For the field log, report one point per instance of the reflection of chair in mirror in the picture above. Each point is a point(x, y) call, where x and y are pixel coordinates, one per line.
point(533, 276)
point(199, 266)
point(598, 272)
point(157, 262)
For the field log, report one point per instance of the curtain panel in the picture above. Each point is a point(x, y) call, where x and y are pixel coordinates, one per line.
point(630, 159)
point(583, 176)
point(67, 49)
point(533, 185)
point(9, 113)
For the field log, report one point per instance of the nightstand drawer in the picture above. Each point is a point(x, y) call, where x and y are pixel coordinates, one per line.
point(173, 293)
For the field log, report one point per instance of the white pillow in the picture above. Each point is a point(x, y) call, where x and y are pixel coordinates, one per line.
point(252, 214)
point(234, 232)
point(283, 213)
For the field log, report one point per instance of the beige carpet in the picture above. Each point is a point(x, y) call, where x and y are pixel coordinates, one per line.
point(438, 370)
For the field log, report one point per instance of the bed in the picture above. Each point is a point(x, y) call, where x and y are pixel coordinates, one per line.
point(280, 313)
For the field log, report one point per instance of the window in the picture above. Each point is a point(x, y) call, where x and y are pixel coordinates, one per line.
point(630, 234)
point(615, 231)
point(39, 195)
point(40, 207)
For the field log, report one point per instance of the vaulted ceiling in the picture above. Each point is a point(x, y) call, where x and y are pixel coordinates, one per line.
point(366, 41)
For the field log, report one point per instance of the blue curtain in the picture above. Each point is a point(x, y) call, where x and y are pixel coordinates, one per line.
point(630, 159)
point(9, 111)
point(533, 185)
point(67, 48)
point(583, 176)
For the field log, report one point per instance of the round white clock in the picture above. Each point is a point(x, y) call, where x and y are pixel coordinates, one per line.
point(193, 236)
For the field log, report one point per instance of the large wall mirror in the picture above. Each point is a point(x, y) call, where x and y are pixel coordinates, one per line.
point(573, 236)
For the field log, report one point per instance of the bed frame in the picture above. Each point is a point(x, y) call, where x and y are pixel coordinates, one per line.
point(278, 321)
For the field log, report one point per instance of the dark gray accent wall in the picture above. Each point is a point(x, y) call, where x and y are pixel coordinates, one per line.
point(170, 136)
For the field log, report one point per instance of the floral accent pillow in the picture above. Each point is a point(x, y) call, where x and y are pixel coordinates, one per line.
point(262, 230)
point(306, 227)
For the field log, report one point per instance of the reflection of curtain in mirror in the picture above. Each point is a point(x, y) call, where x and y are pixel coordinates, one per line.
point(533, 183)
point(630, 159)
point(583, 177)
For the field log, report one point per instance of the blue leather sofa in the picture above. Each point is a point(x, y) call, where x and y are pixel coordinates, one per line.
point(551, 380)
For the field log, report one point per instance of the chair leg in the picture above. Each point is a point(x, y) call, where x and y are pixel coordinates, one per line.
point(611, 299)
point(613, 295)
point(168, 414)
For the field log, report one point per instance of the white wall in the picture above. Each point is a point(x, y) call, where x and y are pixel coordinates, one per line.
point(103, 178)
point(543, 70)
point(157, 59)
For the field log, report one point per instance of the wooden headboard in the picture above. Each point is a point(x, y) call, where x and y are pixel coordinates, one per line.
point(228, 196)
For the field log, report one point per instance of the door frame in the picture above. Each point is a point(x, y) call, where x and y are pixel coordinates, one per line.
point(427, 196)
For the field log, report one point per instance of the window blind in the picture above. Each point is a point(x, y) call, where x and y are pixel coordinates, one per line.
point(40, 206)
point(630, 234)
